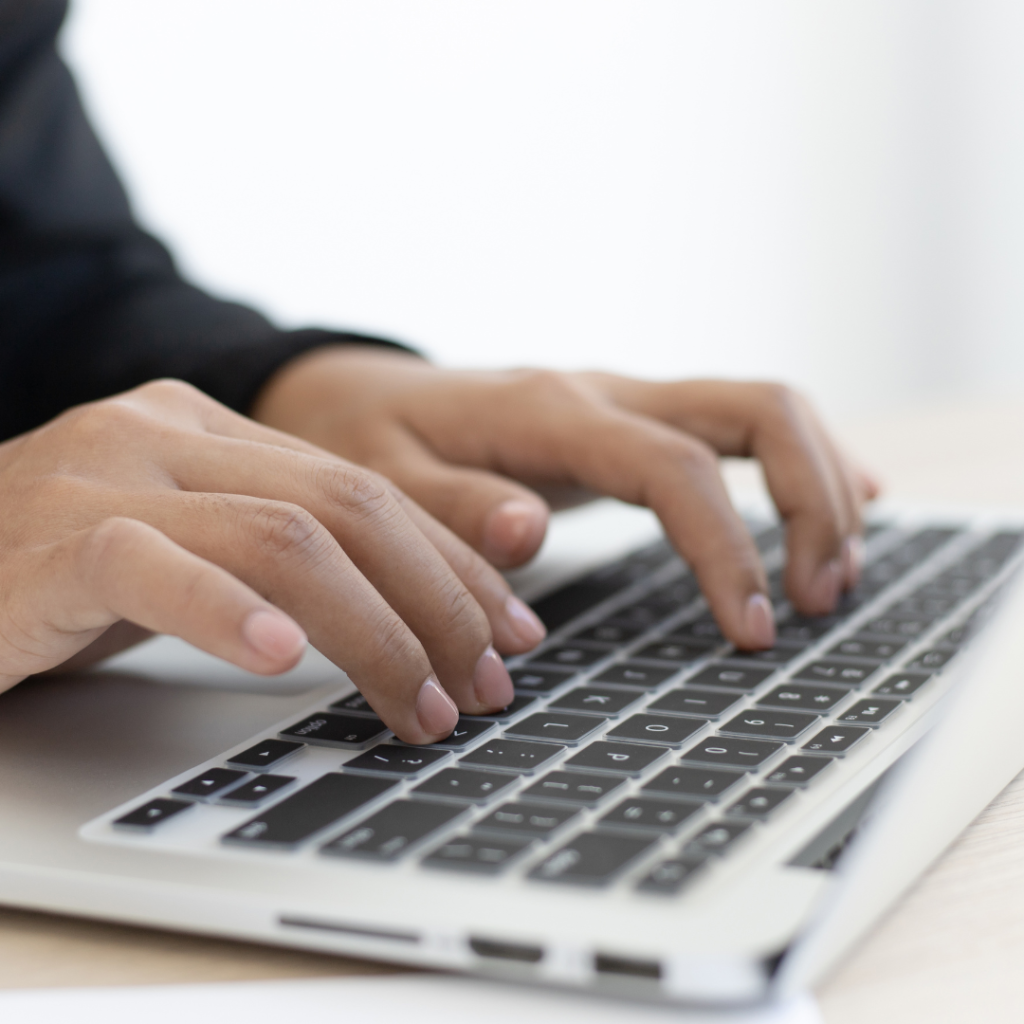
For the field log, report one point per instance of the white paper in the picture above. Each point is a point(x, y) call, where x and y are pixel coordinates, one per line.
point(418, 999)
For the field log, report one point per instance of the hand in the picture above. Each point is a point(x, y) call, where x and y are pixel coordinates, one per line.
point(474, 449)
point(163, 509)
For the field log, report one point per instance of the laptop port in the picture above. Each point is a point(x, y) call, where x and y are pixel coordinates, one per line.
point(506, 950)
point(604, 964)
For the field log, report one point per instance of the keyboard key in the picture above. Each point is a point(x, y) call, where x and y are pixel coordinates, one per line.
point(395, 759)
point(621, 758)
point(836, 739)
point(212, 781)
point(574, 787)
point(593, 858)
point(779, 655)
point(467, 730)
point(804, 695)
point(484, 854)
point(560, 607)
point(927, 606)
point(693, 783)
point(737, 753)
point(759, 803)
point(650, 814)
point(704, 629)
point(869, 712)
point(902, 684)
point(257, 790)
point(512, 755)
point(148, 816)
point(265, 753)
point(867, 648)
point(804, 628)
point(956, 637)
point(798, 771)
point(532, 821)
point(642, 615)
point(660, 729)
point(891, 625)
point(614, 633)
point(539, 680)
point(354, 704)
point(633, 673)
point(551, 725)
point(331, 730)
point(931, 661)
point(786, 725)
point(676, 652)
point(464, 785)
point(312, 809)
point(387, 834)
point(715, 840)
point(597, 700)
point(839, 673)
point(687, 700)
point(730, 677)
point(668, 877)
point(574, 655)
point(519, 703)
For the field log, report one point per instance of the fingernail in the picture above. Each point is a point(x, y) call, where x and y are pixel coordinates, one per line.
point(824, 589)
point(760, 622)
point(491, 681)
point(524, 622)
point(435, 710)
point(508, 527)
point(852, 559)
point(273, 634)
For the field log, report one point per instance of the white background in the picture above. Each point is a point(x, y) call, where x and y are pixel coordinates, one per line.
point(824, 193)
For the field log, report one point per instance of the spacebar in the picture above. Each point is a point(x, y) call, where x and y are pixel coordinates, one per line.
point(311, 810)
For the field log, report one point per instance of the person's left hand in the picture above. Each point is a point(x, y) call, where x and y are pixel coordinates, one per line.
point(477, 449)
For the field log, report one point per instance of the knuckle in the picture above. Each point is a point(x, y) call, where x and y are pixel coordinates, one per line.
point(357, 493)
point(283, 530)
point(781, 401)
point(458, 613)
point(692, 455)
point(545, 386)
point(101, 547)
point(170, 389)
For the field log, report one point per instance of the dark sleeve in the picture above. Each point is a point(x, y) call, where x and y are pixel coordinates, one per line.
point(90, 304)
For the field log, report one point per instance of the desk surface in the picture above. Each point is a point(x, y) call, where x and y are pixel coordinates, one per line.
point(952, 950)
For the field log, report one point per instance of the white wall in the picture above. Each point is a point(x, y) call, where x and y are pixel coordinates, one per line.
point(827, 193)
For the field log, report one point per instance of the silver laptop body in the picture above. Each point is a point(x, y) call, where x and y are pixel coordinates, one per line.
point(684, 834)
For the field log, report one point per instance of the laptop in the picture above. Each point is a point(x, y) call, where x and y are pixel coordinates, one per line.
point(656, 816)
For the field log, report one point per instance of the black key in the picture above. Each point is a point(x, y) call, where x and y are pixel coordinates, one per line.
point(930, 661)
point(642, 615)
point(512, 755)
point(331, 730)
point(805, 628)
point(265, 753)
point(807, 696)
point(676, 652)
point(529, 820)
point(621, 758)
point(485, 854)
point(891, 625)
point(869, 712)
point(391, 831)
point(797, 771)
point(730, 677)
point(148, 816)
point(593, 858)
point(539, 680)
point(738, 753)
point(677, 594)
point(212, 781)
point(613, 633)
point(551, 725)
point(256, 790)
point(713, 841)
point(669, 876)
point(574, 787)
point(519, 703)
point(394, 759)
point(312, 809)
point(928, 606)
point(839, 673)
point(650, 814)
point(633, 673)
point(660, 729)
point(689, 700)
point(956, 636)
point(865, 647)
point(902, 684)
point(464, 785)
point(759, 803)
point(596, 700)
point(785, 725)
point(467, 730)
point(574, 655)
point(354, 704)
point(779, 655)
point(704, 629)
point(835, 739)
point(558, 608)
point(693, 783)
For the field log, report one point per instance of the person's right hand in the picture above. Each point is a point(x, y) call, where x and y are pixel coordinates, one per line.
point(164, 509)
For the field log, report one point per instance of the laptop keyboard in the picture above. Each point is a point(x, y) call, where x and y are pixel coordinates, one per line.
point(639, 741)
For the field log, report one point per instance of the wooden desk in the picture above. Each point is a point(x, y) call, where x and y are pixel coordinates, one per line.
point(952, 950)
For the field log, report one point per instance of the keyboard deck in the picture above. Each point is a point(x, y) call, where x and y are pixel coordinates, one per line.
point(640, 746)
